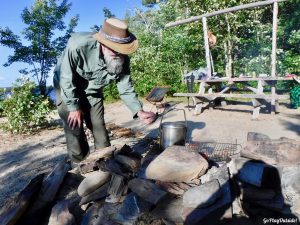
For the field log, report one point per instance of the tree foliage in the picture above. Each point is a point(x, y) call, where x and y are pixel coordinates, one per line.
point(42, 20)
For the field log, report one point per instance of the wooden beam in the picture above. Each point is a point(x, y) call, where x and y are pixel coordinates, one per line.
point(206, 45)
point(216, 95)
point(228, 10)
point(243, 79)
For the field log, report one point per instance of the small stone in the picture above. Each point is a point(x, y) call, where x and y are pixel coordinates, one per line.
point(92, 182)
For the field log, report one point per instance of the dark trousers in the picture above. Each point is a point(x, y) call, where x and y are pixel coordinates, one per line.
point(93, 116)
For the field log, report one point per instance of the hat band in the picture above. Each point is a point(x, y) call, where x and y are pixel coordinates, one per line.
point(116, 39)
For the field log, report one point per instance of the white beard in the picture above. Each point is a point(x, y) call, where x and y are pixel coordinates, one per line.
point(114, 64)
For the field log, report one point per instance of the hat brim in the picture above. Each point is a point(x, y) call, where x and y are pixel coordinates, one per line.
point(124, 48)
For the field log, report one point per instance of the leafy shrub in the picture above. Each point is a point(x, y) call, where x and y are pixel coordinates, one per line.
point(111, 93)
point(25, 111)
point(2, 95)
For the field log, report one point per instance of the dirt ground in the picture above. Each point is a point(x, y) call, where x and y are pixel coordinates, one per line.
point(22, 157)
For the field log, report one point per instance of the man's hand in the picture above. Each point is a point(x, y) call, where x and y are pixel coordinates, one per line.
point(147, 117)
point(75, 119)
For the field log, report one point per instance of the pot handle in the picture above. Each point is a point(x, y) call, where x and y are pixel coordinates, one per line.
point(164, 113)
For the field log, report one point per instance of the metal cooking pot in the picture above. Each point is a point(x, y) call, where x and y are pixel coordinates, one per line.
point(172, 133)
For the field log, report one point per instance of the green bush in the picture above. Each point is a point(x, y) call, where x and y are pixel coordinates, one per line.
point(26, 111)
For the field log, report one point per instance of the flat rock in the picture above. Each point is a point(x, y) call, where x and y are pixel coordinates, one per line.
point(92, 182)
point(177, 164)
point(203, 195)
point(279, 152)
point(222, 207)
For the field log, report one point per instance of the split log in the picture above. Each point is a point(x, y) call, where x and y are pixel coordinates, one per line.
point(127, 151)
point(60, 215)
point(129, 163)
point(150, 156)
point(124, 133)
point(117, 187)
point(15, 208)
point(50, 186)
point(101, 153)
point(87, 167)
point(147, 190)
point(99, 193)
point(112, 166)
point(111, 126)
point(90, 163)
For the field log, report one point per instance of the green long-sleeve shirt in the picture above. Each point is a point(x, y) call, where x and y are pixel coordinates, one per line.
point(81, 72)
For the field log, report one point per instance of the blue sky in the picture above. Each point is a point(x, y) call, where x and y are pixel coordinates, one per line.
point(90, 13)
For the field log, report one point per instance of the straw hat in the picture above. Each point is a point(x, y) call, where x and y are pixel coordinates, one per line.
point(115, 35)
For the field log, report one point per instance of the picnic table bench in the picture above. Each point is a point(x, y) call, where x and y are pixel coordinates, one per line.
point(206, 97)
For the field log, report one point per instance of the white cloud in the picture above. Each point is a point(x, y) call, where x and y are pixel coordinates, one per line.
point(2, 78)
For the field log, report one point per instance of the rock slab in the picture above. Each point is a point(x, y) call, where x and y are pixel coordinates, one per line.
point(203, 195)
point(177, 164)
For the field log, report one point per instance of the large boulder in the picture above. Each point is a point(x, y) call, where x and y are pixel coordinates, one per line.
point(177, 164)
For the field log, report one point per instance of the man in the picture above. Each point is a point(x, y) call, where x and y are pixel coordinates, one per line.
point(90, 62)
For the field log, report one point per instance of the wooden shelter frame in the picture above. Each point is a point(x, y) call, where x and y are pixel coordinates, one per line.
point(259, 90)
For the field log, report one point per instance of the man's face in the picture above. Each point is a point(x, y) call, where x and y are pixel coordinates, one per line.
point(114, 60)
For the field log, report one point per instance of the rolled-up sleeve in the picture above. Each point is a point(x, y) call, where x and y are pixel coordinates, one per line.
point(68, 89)
point(128, 94)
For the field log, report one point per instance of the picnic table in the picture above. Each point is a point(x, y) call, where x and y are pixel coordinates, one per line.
point(213, 89)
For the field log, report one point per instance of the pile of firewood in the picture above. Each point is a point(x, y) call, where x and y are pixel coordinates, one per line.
point(119, 185)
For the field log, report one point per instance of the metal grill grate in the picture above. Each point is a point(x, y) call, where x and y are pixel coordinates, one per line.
point(217, 151)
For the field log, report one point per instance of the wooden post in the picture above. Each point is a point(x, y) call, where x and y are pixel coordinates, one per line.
point(273, 56)
point(198, 106)
point(256, 103)
point(207, 55)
